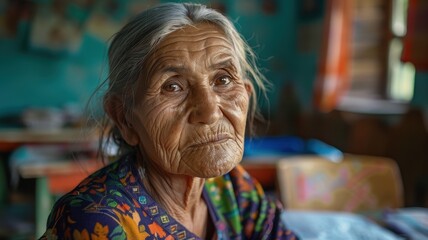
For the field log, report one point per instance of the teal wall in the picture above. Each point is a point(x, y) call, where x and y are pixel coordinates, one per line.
point(420, 96)
point(31, 79)
point(272, 36)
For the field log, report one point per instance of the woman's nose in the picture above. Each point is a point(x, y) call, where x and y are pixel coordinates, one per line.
point(204, 106)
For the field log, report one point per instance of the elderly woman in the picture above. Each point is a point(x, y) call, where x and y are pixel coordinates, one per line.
point(178, 97)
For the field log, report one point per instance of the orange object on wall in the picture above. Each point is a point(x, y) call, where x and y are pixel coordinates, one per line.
point(333, 70)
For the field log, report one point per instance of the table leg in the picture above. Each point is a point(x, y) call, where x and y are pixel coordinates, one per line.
point(44, 202)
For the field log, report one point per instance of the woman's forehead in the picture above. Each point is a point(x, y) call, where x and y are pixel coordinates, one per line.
point(195, 38)
point(204, 44)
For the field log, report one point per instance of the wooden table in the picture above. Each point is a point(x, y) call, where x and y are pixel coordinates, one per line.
point(53, 178)
point(11, 138)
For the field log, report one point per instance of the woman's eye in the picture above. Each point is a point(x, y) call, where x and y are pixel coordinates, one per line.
point(223, 80)
point(172, 87)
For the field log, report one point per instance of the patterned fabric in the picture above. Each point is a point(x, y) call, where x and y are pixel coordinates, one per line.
point(113, 204)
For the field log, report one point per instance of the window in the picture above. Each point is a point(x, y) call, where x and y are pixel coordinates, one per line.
point(377, 74)
point(401, 75)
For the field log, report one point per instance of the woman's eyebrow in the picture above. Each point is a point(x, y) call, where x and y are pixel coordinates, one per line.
point(228, 63)
point(172, 68)
point(225, 64)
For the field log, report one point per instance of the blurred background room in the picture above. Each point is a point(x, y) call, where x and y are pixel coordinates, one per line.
point(349, 81)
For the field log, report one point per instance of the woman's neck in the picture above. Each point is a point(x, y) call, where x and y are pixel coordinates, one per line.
point(180, 195)
point(179, 192)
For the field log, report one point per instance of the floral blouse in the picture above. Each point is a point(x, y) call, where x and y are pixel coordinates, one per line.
point(113, 204)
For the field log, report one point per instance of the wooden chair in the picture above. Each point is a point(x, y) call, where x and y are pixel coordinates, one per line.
point(355, 184)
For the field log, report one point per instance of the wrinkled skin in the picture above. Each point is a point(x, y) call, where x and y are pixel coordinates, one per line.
point(191, 110)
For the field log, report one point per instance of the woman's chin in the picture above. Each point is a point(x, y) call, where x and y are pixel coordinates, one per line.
point(214, 167)
point(215, 172)
point(214, 162)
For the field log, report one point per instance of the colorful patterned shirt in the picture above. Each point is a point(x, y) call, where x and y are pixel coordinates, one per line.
point(112, 203)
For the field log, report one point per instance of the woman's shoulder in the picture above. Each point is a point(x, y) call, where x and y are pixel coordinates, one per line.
point(110, 181)
point(114, 175)
point(100, 203)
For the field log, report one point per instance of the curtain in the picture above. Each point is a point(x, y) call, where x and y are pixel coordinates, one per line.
point(415, 47)
point(333, 69)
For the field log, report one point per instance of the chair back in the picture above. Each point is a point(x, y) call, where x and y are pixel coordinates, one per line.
point(354, 184)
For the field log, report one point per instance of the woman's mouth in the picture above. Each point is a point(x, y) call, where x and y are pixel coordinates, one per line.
point(212, 140)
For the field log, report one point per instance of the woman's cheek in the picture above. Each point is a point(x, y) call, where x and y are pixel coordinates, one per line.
point(236, 107)
point(155, 122)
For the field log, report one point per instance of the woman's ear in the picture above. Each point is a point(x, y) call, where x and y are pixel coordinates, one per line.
point(249, 87)
point(115, 110)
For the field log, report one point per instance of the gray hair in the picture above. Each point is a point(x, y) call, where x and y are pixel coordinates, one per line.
point(137, 39)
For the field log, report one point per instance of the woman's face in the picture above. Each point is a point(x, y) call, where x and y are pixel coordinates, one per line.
point(191, 107)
